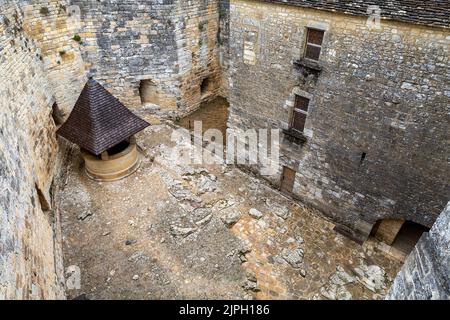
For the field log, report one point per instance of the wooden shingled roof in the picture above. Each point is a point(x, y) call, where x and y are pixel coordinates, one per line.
point(100, 121)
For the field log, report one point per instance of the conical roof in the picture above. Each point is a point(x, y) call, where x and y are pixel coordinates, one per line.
point(99, 121)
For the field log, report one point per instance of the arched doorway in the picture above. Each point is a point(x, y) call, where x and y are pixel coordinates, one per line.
point(401, 235)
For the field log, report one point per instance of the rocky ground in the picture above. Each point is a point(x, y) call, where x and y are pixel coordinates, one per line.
point(204, 232)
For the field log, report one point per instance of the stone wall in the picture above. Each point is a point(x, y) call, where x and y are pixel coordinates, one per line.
point(173, 44)
point(52, 27)
point(30, 253)
point(47, 49)
point(224, 42)
point(376, 137)
point(426, 273)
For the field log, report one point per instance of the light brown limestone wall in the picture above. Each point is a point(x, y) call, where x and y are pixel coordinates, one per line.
point(51, 25)
point(30, 263)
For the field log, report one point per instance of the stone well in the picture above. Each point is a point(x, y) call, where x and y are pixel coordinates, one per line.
point(115, 164)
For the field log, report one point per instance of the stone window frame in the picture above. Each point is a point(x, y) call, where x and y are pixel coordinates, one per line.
point(303, 94)
point(314, 25)
point(296, 111)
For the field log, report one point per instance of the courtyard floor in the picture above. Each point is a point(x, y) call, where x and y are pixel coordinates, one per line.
point(206, 232)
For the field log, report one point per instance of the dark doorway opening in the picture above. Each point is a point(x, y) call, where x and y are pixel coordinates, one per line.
point(205, 88)
point(148, 92)
point(408, 236)
point(400, 235)
point(287, 180)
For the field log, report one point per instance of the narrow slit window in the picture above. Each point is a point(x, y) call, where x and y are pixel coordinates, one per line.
point(314, 42)
point(363, 157)
point(301, 107)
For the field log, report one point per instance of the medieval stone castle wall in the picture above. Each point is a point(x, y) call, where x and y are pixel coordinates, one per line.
point(426, 273)
point(47, 49)
point(30, 263)
point(381, 93)
point(376, 138)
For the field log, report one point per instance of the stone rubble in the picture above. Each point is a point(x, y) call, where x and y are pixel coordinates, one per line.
point(178, 240)
point(293, 257)
point(255, 213)
point(372, 277)
point(230, 217)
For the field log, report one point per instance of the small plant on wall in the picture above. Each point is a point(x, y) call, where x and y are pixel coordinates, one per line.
point(77, 38)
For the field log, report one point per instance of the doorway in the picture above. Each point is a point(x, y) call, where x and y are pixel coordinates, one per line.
point(400, 235)
point(205, 88)
point(148, 91)
point(287, 180)
point(408, 236)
